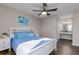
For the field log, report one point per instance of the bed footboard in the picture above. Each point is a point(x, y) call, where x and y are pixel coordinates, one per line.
point(45, 50)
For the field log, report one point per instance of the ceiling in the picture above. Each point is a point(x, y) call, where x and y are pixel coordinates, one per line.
point(63, 8)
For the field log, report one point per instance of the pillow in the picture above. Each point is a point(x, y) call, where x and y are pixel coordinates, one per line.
point(36, 34)
point(23, 35)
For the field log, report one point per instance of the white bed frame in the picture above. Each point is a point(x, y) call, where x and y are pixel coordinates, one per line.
point(12, 30)
point(45, 50)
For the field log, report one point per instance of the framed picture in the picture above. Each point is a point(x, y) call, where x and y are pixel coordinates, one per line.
point(23, 21)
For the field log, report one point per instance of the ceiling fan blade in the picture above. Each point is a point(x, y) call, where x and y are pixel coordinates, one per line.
point(39, 14)
point(48, 14)
point(44, 5)
point(37, 10)
point(52, 10)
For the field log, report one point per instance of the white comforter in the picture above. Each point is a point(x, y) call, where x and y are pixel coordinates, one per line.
point(26, 47)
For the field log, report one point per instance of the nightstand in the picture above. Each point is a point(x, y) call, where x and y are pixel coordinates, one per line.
point(5, 43)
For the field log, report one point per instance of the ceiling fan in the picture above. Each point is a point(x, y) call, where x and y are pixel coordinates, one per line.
point(45, 11)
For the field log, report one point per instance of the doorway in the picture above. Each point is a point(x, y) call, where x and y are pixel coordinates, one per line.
point(65, 28)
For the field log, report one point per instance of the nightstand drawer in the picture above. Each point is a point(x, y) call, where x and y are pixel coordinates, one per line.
point(6, 43)
point(0, 43)
point(6, 40)
point(3, 47)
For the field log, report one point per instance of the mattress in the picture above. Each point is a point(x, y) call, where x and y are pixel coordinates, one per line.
point(32, 46)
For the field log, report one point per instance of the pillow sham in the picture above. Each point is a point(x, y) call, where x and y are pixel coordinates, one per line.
point(23, 35)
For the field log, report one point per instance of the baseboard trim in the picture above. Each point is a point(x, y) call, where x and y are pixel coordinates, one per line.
point(75, 45)
point(65, 39)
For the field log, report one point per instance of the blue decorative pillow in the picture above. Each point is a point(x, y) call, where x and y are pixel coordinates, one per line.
point(23, 35)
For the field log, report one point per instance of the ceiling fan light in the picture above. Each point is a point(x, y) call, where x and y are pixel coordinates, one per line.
point(44, 13)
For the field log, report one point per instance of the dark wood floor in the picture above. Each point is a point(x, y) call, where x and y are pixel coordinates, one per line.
point(64, 48)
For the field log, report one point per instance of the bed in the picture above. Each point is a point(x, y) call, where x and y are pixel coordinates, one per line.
point(26, 42)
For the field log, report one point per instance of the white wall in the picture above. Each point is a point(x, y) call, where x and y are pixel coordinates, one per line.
point(75, 26)
point(8, 18)
point(49, 27)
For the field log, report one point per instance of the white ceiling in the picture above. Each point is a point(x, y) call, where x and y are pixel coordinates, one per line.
point(63, 8)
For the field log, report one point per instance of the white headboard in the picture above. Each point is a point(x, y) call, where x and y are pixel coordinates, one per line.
point(12, 30)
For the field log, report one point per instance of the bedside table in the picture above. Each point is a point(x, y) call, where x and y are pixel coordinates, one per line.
point(5, 43)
